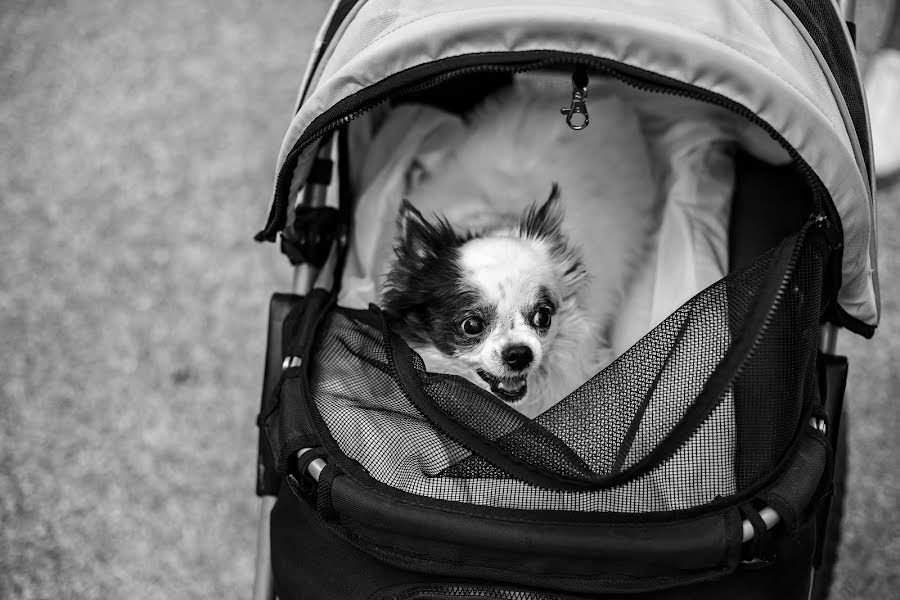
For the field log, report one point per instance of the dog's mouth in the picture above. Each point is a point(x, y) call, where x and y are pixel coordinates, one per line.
point(508, 389)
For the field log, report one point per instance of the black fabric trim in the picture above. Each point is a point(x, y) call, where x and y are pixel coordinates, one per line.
point(324, 502)
point(464, 590)
point(628, 440)
point(571, 549)
point(826, 28)
point(318, 560)
point(851, 323)
point(346, 206)
point(832, 379)
point(760, 532)
point(337, 19)
point(794, 494)
point(372, 95)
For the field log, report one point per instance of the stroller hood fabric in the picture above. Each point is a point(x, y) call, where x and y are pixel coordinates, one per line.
point(757, 54)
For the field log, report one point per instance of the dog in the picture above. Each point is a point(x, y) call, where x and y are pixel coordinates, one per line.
point(502, 286)
point(501, 307)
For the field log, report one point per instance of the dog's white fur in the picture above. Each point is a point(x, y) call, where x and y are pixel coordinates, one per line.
point(517, 144)
point(509, 270)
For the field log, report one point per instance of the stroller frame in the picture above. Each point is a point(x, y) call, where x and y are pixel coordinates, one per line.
point(304, 278)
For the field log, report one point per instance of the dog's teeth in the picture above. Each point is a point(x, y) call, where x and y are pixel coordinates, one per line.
point(511, 386)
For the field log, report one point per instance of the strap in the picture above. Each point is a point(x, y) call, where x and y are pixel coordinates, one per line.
point(761, 534)
point(324, 503)
point(306, 483)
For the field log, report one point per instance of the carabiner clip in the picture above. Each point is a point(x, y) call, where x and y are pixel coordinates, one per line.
point(578, 105)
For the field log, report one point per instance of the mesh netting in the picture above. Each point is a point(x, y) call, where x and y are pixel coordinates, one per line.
point(704, 406)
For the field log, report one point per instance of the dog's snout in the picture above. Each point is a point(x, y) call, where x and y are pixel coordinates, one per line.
point(517, 357)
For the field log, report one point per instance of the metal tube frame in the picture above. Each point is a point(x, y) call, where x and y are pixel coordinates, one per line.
point(264, 580)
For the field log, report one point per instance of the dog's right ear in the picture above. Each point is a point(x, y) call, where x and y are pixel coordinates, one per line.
point(409, 222)
point(544, 221)
point(419, 240)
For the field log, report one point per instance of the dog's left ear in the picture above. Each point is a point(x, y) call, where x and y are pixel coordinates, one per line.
point(543, 221)
point(419, 240)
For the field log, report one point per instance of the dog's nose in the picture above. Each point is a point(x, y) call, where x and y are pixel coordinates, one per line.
point(517, 357)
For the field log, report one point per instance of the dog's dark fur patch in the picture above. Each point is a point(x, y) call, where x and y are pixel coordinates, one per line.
point(425, 298)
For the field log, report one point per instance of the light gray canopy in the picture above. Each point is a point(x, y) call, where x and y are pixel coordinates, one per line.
point(756, 53)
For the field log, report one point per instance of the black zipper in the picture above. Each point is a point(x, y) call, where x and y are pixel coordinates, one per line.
point(423, 77)
point(409, 81)
point(464, 591)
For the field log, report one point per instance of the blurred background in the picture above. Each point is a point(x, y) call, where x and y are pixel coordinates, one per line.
point(137, 144)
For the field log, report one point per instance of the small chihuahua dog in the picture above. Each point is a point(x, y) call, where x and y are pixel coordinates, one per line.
point(500, 307)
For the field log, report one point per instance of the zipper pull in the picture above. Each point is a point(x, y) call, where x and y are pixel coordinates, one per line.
point(576, 114)
point(832, 235)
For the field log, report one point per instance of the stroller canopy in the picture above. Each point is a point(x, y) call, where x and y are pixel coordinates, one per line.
point(787, 63)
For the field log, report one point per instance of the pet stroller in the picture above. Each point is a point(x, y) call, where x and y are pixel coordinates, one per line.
point(707, 459)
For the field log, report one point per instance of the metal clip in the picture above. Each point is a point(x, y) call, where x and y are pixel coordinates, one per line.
point(578, 105)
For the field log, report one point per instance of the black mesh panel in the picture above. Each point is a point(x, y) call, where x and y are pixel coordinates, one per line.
point(703, 407)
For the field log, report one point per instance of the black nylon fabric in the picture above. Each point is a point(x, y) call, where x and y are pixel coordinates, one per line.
point(315, 560)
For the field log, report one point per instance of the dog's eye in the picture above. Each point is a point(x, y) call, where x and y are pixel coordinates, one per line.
point(473, 326)
point(541, 318)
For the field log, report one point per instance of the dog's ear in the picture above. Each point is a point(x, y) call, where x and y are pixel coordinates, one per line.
point(418, 239)
point(418, 245)
point(544, 221)
point(413, 233)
